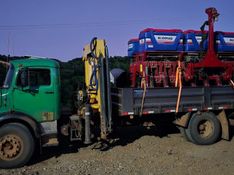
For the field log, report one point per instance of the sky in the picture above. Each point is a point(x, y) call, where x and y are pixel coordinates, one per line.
point(61, 28)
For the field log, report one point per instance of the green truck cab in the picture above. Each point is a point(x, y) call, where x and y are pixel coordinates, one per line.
point(29, 108)
point(31, 100)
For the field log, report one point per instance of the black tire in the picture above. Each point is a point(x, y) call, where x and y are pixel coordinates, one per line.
point(204, 128)
point(16, 145)
point(186, 134)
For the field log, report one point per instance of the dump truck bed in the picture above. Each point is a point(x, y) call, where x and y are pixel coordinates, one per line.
point(128, 101)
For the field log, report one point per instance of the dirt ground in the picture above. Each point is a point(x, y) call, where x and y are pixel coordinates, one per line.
point(136, 151)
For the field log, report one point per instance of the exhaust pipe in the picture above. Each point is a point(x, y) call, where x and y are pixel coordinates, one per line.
point(87, 125)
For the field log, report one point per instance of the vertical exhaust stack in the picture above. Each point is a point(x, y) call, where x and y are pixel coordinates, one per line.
point(87, 124)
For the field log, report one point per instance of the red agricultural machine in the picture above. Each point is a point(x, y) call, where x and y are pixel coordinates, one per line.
point(172, 58)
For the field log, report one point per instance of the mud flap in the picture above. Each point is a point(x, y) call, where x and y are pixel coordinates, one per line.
point(183, 121)
point(224, 124)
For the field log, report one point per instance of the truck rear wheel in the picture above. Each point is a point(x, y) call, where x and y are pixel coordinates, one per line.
point(186, 134)
point(204, 128)
point(16, 145)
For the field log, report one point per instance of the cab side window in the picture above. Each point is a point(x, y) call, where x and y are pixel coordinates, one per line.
point(39, 77)
point(34, 77)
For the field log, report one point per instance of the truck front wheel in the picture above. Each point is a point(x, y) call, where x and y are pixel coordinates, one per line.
point(204, 128)
point(16, 145)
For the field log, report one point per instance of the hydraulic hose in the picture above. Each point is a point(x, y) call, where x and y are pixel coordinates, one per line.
point(93, 45)
point(93, 83)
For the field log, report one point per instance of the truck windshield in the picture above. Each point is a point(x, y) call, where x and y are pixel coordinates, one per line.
point(9, 77)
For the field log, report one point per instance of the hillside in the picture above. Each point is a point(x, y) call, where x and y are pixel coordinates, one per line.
point(72, 75)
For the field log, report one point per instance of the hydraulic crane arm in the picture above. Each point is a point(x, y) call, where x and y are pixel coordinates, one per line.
point(97, 82)
point(93, 52)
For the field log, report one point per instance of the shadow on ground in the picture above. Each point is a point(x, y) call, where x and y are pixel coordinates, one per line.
point(122, 137)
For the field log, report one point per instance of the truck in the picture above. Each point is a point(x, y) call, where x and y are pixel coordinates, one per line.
point(31, 116)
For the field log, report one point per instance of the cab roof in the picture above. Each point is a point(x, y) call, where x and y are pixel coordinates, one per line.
point(35, 62)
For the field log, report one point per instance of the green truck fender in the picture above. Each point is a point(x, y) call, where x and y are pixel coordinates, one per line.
point(17, 117)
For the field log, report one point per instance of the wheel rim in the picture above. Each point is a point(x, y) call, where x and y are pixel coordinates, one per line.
point(11, 147)
point(205, 128)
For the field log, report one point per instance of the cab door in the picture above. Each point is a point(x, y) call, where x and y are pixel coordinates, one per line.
point(34, 93)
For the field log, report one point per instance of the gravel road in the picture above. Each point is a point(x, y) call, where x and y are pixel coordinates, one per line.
point(136, 151)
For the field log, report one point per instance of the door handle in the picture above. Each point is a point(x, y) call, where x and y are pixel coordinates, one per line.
point(49, 92)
